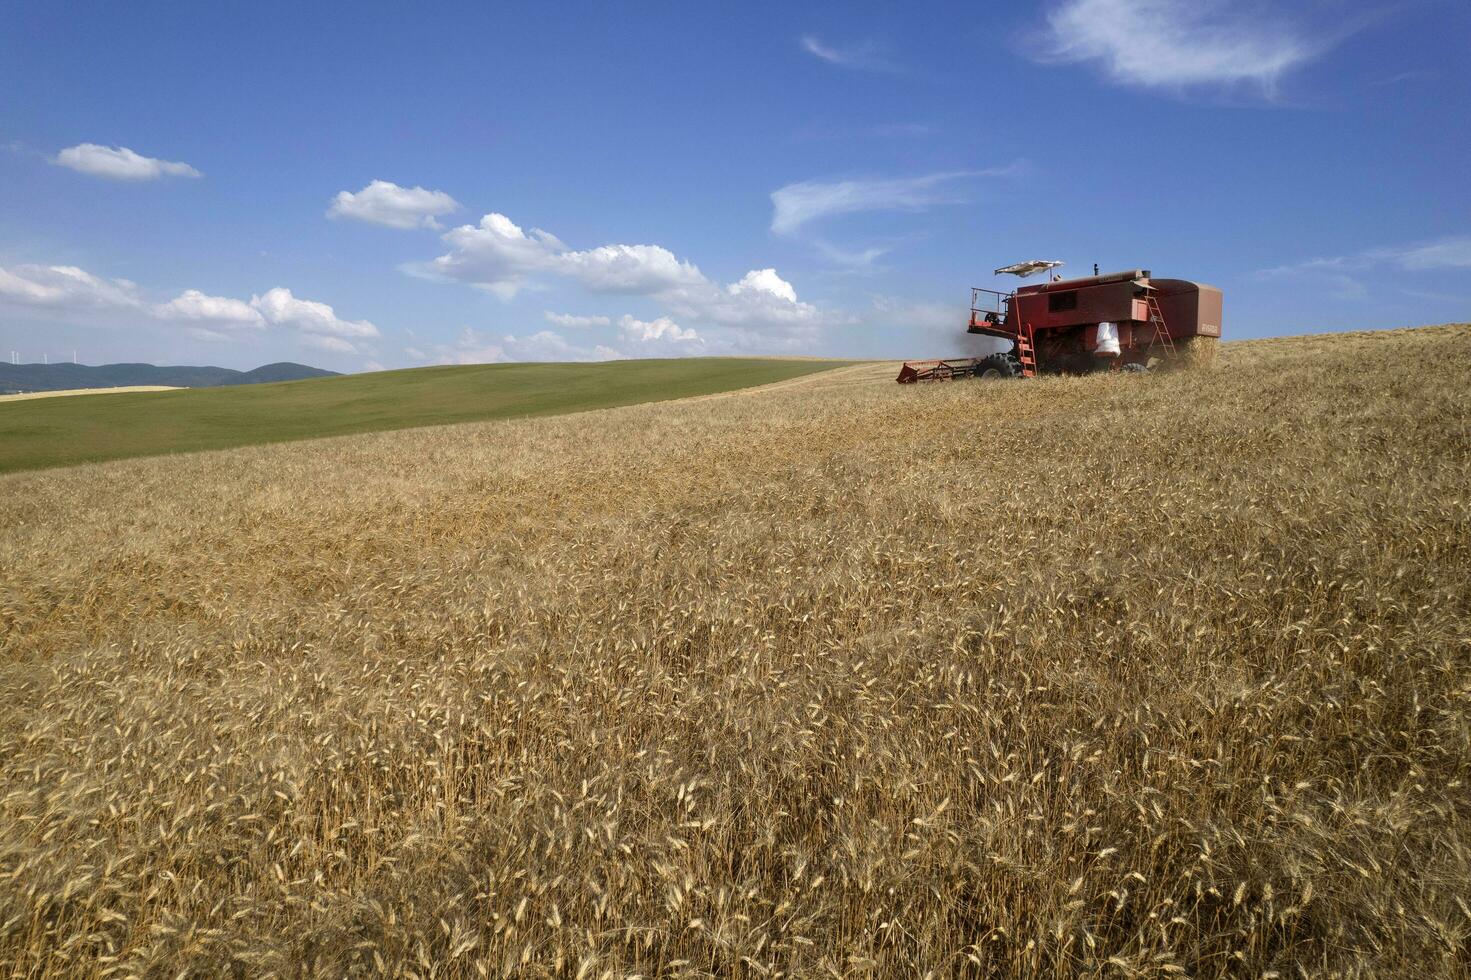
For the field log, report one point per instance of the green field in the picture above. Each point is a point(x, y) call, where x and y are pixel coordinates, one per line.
point(48, 432)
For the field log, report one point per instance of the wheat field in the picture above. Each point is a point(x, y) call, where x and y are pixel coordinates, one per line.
point(1107, 676)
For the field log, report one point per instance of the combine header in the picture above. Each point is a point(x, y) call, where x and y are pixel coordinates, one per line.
point(1119, 321)
point(937, 370)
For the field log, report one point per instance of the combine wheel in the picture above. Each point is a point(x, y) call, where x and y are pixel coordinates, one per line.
point(998, 366)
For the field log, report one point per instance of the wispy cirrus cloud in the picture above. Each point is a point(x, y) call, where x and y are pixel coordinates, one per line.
point(1397, 78)
point(1448, 253)
point(1184, 43)
point(861, 260)
point(1344, 275)
point(799, 204)
point(864, 55)
point(119, 163)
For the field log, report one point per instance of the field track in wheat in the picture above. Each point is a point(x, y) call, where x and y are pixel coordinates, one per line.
point(1107, 676)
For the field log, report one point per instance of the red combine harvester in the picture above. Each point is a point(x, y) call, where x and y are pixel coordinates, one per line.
point(1119, 321)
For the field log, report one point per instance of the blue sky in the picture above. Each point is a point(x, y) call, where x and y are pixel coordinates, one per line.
point(356, 186)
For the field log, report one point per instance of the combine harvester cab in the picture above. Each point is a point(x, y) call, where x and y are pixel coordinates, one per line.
point(1116, 321)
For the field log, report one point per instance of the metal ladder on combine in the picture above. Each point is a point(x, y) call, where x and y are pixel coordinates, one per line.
point(1161, 336)
point(1026, 350)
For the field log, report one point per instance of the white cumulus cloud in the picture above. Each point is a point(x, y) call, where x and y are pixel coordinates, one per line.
point(314, 320)
point(219, 310)
point(18, 287)
point(759, 300)
point(383, 202)
point(65, 287)
point(642, 269)
point(574, 321)
point(64, 291)
point(496, 254)
point(120, 163)
point(763, 281)
point(646, 331)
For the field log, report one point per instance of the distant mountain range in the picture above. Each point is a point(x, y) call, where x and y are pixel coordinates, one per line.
point(61, 377)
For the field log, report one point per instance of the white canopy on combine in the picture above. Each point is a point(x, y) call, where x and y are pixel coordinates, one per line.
point(1027, 268)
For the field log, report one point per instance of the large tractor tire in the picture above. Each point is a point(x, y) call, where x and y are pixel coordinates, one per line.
point(998, 367)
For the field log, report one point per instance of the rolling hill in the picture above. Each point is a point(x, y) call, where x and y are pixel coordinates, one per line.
point(63, 377)
point(64, 431)
point(1114, 676)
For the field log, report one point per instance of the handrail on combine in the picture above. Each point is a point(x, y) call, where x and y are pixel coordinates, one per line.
point(988, 311)
point(985, 301)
